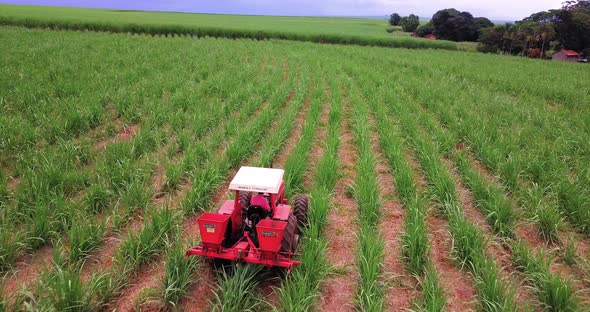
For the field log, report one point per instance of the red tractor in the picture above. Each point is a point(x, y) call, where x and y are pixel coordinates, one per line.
point(258, 226)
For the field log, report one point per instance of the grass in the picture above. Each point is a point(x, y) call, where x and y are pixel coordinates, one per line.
point(238, 278)
point(415, 241)
point(84, 236)
point(98, 198)
point(433, 295)
point(66, 291)
point(551, 158)
point(180, 273)
point(496, 209)
point(206, 180)
point(10, 246)
point(469, 246)
point(235, 291)
point(570, 253)
point(357, 31)
point(370, 294)
point(276, 142)
point(301, 289)
point(555, 293)
point(139, 248)
point(205, 105)
point(297, 162)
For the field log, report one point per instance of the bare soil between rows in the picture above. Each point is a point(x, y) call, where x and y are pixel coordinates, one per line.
point(338, 289)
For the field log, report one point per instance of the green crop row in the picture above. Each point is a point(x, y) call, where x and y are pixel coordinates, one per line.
point(469, 246)
point(511, 147)
point(415, 244)
point(301, 289)
point(118, 163)
point(70, 174)
point(237, 290)
point(295, 168)
point(136, 250)
point(51, 177)
point(554, 291)
point(370, 295)
point(131, 244)
point(297, 162)
point(210, 177)
point(535, 146)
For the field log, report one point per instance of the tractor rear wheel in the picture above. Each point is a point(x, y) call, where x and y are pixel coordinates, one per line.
point(244, 200)
point(290, 237)
point(300, 206)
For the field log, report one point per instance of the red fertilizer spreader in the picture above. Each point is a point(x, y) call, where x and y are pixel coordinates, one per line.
point(258, 226)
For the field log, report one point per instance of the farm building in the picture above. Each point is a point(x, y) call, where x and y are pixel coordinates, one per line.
point(566, 56)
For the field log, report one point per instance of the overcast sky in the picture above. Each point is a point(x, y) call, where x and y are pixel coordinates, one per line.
point(495, 9)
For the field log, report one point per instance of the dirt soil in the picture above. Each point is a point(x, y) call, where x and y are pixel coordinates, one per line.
point(317, 149)
point(198, 294)
point(26, 271)
point(500, 254)
point(528, 232)
point(126, 134)
point(402, 286)
point(456, 284)
point(338, 290)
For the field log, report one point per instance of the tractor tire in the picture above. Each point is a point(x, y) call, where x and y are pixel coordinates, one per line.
point(300, 207)
point(290, 238)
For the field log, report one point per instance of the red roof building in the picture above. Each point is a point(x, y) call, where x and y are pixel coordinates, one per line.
point(566, 56)
point(430, 36)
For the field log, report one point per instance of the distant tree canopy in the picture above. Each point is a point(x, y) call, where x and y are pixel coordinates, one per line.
point(483, 22)
point(565, 28)
point(450, 24)
point(572, 26)
point(424, 30)
point(410, 23)
point(394, 19)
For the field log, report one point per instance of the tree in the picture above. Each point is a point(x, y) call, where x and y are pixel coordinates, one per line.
point(572, 25)
point(394, 19)
point(541, 17)
point(424, 30)
point(451, 24)
point(568, 26)
point(410, 23)
point(544, 34)
point(483, 22)
point(493, 39)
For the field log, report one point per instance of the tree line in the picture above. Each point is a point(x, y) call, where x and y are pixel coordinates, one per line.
point(447, 24)
point(564, 28)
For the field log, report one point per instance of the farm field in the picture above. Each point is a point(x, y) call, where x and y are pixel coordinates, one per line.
point(439, 180)
point(359, 31)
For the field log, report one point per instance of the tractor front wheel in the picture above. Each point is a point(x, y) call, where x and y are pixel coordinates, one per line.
point(300, 208)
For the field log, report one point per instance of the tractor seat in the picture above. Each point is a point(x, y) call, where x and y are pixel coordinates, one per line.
point(260, 201)
point(256, 212)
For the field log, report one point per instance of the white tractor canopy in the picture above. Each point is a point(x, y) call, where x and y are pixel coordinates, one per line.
point(253, 179)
